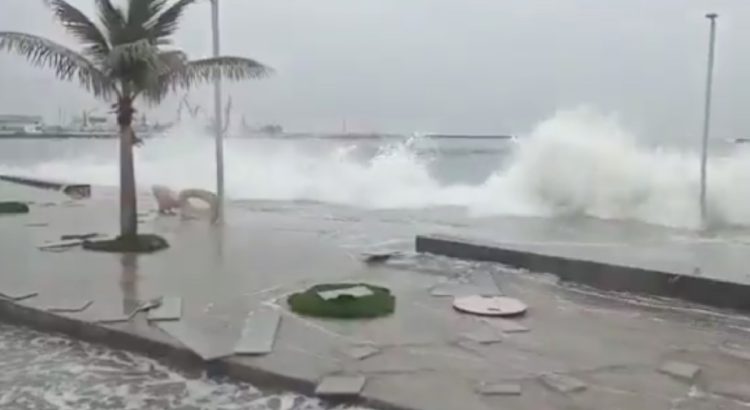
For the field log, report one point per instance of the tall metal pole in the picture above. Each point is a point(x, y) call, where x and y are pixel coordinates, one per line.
point(217, 113)
point(707, 118)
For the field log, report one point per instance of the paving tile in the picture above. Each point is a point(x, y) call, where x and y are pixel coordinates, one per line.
point(201, 342)
point(499, 389)
point(680, 370)
point(341, 386)
point(259, 333)
point(169, 309)
point(483, 335)
point(562, 383)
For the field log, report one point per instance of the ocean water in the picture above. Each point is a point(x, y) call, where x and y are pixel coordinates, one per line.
point(49, 372)
point(577, 162)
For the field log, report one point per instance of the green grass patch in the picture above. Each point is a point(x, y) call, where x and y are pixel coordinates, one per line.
point(128, 244)
point(309, 302)
point(13, 207)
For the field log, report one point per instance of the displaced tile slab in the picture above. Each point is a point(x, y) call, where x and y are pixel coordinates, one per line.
point(499, 389)
point(507, 326)
point(341, 386)
point(680, 370)
point(199, 342)
point(169, 309)
point(362, 352)
point(354, 291)
point(737, 391)
point(484, 335)
point(562, 383)
point(259, 333)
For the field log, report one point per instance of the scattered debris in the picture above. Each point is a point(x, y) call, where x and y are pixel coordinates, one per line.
point(61, 245)
point(341, 386)
point(70, 307)
point(562, 383)
point(362, 352)
point(737, 391)
point(483, 336)
point(373, 258)
point(17, 296)
point(354, 291)
point(37, 224)
point(169, 308)
point(259, 333)
point(82, 237)
point(489, 305)
point(507, 326)
point(680, 370)
point(200, 341)
point(146, 306)
point(499, 389)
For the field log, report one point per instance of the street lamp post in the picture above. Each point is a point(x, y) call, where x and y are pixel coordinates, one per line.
point(707, 118)
point(217, 114)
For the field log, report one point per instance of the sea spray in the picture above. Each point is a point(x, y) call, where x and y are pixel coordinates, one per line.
point(577, 162)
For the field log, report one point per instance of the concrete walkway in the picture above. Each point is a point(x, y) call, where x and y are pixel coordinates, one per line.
point(575, 349)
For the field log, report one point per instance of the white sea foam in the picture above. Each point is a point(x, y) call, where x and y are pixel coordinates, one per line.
point(577, 162)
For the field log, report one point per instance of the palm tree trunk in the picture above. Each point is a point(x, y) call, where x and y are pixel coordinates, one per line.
point(128, 202)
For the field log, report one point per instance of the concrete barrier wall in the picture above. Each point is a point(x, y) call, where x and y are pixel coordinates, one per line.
point(611, 277)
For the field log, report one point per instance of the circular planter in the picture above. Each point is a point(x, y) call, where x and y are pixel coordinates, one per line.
point(378, 303)
point(139, 244)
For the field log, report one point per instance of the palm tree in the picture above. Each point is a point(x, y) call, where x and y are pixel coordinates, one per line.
point(126, 56)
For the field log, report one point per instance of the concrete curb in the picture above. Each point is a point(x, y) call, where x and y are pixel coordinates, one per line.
point(612, 277)
point(81, 190)
point(169, 353)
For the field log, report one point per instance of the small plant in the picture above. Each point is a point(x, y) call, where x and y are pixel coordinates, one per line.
point(310, 303)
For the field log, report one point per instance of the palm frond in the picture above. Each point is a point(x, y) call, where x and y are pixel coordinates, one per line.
point(204, 70)
point(67, 64)
point(167, 22)
point(142, 12)
point(186, 74)
point(81, 27)
point(113, 20)
point(141, 51)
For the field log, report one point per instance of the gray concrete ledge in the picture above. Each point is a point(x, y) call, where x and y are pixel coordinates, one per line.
point(81, 190)
point(602, 275)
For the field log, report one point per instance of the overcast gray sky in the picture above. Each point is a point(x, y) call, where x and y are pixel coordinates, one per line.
point(447, 65)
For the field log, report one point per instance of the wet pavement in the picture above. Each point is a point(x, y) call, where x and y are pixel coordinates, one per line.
point(41, 371)
point(581, 349)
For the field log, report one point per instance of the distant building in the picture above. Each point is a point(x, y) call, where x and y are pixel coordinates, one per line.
point(21, 124)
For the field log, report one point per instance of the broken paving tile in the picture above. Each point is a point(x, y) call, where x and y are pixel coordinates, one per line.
point(341, 386)
point(72, 306)
point(60, 245)
point(507, 326)
point(499, 389)
point(680, 370)
point(203, 343)
point(170, 308)
point(362, 352)
point(737, 391)
point(354, 291)
point(484, 335)
point(259, 333)
point(562, 383)
point(82, 237)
